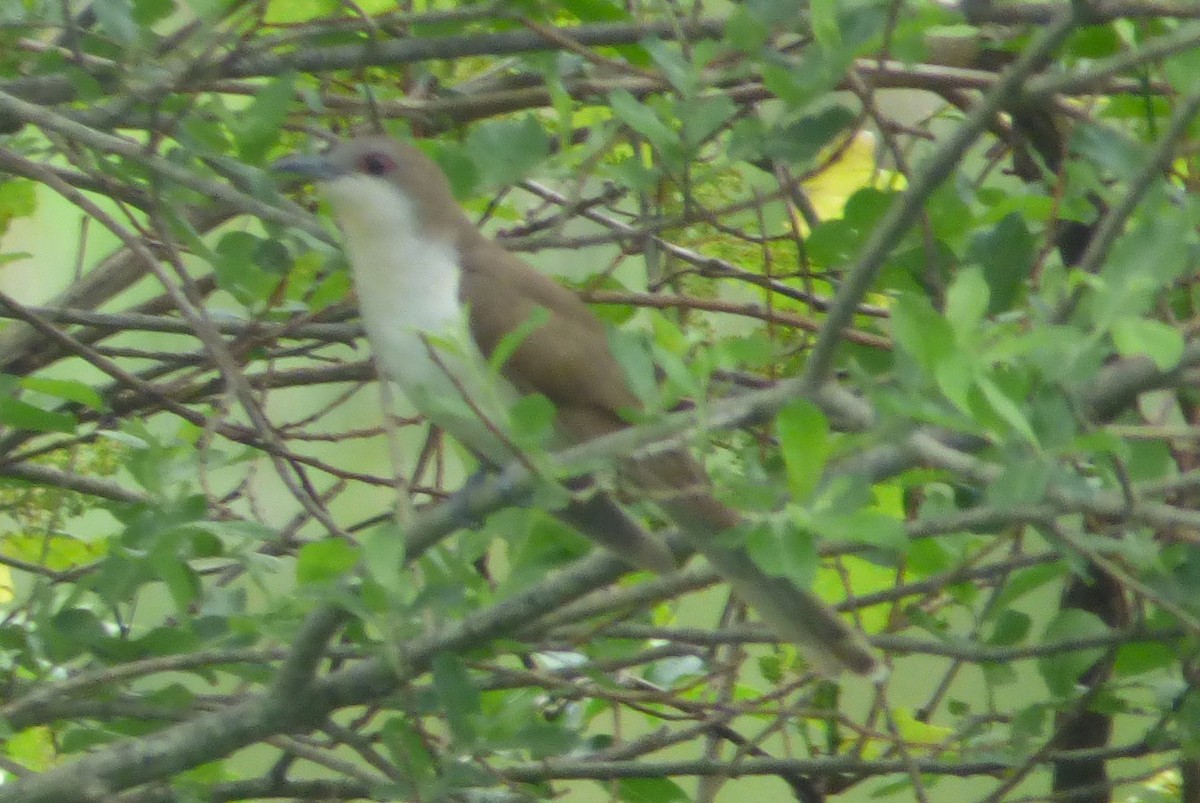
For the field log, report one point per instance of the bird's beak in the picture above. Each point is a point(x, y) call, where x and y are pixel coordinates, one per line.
point(311, 166)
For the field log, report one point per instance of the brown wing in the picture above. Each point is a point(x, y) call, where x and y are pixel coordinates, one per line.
point(566, 359)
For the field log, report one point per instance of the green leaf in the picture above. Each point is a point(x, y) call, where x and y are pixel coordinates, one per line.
point(458, 694)
point(648, 790)
point(68, 389)
point(634, 356)
point(1182, 68)
point(778, 14)
point(260, 124)
point(1061, 670)
point(324, 562)
point(272, 256)
point(148, 12)
point(1027, 581)
point(460, 167)
point(1157, 340)
point(1145, 460)
point(115, 18)
point(545, 738)
point(1137, 658)
point(923, 334)
point(383, 549)
point(802, 140)
point(1108, 148)
point(803, 434)
point(172, 640)
point(967, 303)
point(408, 748)
point(333, 289)
point(955, 377)
point(79, 624)
point(1022, 482)
point(596, 10)
point(670, 673)
point(237, 271)
point(786, 546)
point(836, 241)
point(634, 172)
point(1010, 410)
point(794, 86)
point(20, 415)
point(531, 421)
point(1010, 627)
point(57, 552)
point(702, 117)
point(1151, 255)
point(235, 534)
point(71, 632)
point(35, 748)
point(177, 576)
point(285, 12)
point(1095, 42)
point(824, 17)
point(515, 337)
point(679, 73)
point(642, 119)
point(810, 76)
point(746, 31)
point(915, 731)
point(210, 136)
point(504, 151)
point(926, 556)
point(18, 198)
point(869, 527)
point(166, 472)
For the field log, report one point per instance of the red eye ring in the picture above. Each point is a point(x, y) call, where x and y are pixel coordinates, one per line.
point(377, 164)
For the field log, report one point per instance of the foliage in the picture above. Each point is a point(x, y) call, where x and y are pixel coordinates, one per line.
point(923, 282)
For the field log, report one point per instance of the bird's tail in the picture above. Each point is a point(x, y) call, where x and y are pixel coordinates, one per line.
point(681, 489)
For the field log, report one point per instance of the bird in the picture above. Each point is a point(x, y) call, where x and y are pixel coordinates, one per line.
point(438, 300)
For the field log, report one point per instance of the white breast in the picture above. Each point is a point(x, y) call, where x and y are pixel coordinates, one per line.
point(407, 287)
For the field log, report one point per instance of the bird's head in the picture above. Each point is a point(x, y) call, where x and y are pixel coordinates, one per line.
point(380, 183)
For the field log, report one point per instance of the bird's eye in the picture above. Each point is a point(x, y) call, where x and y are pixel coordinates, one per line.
point(376, 164)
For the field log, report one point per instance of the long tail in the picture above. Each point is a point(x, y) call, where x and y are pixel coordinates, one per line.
point(682, 490)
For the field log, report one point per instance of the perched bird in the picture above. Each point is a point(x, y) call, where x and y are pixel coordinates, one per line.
point(438, 298)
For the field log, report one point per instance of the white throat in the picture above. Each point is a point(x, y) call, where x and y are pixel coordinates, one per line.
point(408, 294)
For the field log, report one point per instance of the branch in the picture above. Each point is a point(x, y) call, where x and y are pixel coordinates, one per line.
point(1091, 79)
point(287, 213)
point(413, 49)
point(296, 673)
point(56, 89)
point(40, 474)
point(1024, 13)
point(299, 329)
point(750, 310)
point(842, 765)
point(211, 736)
